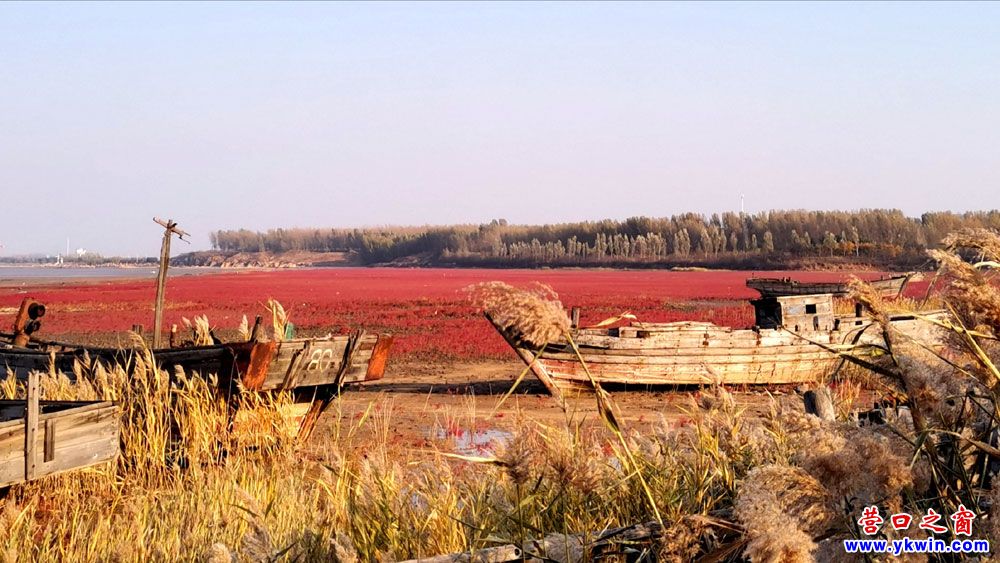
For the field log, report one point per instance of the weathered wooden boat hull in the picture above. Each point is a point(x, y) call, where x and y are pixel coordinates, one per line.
point(689, 353)
point(63, 357)
point(778, 287)
point(296, 364)
point(314, 370)
point(259, 366)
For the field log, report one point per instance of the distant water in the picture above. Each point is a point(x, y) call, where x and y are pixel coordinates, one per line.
point(37, 273)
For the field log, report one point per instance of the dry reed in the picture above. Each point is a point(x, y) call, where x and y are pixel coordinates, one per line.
point(279, 319)
point(535, 315)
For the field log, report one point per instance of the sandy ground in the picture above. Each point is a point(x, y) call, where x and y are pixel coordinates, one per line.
point(452, 406)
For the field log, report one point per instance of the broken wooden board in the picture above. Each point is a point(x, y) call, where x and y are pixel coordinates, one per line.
point(40, 438)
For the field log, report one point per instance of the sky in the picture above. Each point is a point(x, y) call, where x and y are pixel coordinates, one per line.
point(265, 115)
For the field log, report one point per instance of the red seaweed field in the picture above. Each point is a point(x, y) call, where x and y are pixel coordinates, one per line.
point(425, 309)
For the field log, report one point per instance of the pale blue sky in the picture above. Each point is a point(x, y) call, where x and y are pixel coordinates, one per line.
point(266, 115)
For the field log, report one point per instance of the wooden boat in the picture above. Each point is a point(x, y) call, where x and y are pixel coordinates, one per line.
point(795, 340)
point(258, 366)
point(781, 287)
point(39, 438)
point(313, 369)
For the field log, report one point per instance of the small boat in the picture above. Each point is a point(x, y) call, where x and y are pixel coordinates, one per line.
point(796, 339)
point(39, 438)
point(892, 286)
point(314, 370)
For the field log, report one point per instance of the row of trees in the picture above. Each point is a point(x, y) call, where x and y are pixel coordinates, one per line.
point(874, 234)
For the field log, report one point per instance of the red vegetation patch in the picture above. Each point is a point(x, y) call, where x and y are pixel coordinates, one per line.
point(425, 308)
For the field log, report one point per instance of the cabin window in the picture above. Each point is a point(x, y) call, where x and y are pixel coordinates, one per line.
point(811, 309)
point(815, 323)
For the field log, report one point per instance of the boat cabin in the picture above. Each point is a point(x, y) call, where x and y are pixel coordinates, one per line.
point(798, 313)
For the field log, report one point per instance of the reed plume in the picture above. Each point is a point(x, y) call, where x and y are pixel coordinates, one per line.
point(534, 315)
point(970, 285)
point(243, 331)
point(201, 330)
point(782, 508)
point(279, 318)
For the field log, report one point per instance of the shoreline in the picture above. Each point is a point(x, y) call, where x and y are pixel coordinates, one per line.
point(42, 276)
point(56, 276)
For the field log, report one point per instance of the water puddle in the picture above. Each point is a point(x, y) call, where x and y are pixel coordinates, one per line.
point(481, 442)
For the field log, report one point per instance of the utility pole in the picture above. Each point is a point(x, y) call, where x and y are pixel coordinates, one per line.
point(170, 229)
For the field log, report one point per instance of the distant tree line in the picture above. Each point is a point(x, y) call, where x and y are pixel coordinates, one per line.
point(871, 235)
point(88, 259)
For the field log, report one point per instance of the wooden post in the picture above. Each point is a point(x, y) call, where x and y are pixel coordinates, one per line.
point(31, 427)
point(255, 332)
point(574, 315)
point(820, 403)
point(169, 229)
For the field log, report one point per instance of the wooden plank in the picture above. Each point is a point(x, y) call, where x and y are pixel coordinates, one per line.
point(324, 394)
point(12, 471)
point(696, 356)
point(98, 452)
point(50, 440)
point(631, 366)
point(258, 366)
point(290, 381)
point(12, 447)
point(378, 358)
point(95, 435)
point(528, 357)
point(792, 372)
point(75, 408)
point(31, 427)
